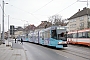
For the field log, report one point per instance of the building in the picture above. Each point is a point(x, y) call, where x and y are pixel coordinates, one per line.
point(80, 20)
point(44, 24)
point(29, 28)
point(18, 31)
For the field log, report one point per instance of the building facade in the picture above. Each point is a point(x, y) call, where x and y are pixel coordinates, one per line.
point(80, 20)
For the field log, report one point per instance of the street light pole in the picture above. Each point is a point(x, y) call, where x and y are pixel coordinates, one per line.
point(84, 1)
point(3, 22)
point(8, 30)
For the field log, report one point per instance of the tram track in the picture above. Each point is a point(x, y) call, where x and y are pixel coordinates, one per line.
point(79, 51)
point(77, 54)
point(80, 47)
point(83, 54)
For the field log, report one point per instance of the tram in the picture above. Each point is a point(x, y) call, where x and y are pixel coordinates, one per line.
point(81, 37)
point(24, 37)
point(30, 37)
point(55, 36)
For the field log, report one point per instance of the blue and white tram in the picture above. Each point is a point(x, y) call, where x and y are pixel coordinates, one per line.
point(55, 36)
point(30, 37)
point(40, 37)
point(36, 36)
point(23, 37)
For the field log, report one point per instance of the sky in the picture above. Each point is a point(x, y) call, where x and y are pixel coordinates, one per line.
point(26, 12)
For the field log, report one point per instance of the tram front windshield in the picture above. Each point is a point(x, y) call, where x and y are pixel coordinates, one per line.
point(59, 34)
point(62, 35)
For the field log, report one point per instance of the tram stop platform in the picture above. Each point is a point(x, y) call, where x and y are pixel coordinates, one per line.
point(12, 51)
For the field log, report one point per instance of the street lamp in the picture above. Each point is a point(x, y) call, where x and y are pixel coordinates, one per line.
point(3, 21)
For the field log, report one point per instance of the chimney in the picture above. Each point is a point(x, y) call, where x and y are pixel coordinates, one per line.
point(43, 21)
point(78, 10)
point(84, 8)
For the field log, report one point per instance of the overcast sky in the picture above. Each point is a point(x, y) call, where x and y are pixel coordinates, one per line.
point(24, 12)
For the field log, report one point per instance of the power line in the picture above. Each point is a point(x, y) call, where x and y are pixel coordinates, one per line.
point(19, 19)
point(35, 11)
point(12, 17)
point(84, 1)
point(43, 6)
point(24, 11)
point(67, 7)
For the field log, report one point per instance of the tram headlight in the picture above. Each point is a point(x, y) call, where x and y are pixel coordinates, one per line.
point(59, 42)
point(64, 42)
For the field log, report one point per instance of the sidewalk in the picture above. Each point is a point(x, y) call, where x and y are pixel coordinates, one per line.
point(11, 52)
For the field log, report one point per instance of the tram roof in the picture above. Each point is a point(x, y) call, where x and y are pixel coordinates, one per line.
point(53, 28)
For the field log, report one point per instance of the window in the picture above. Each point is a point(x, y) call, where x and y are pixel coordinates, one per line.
point(84, 35)
point(42, 35)
point(88, 34)
point(47, 34)
point(71, 21)
point(70, 36)
point(80, 35)
point(81, 18)
point(82, 24)
point(74, 20)
point(74, 35)
point(73, 26)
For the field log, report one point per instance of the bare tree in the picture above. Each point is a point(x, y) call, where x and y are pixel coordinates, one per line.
point(56, 20)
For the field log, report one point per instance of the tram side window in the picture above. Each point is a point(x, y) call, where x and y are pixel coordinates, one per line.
point(88, 34)
point(70, 36)
point(74, 35)
point(84, 35)
point(54, 34)
point(36, 35)
point(43, 36)
point(80, 35)
point(47, 34)
point(40, 35)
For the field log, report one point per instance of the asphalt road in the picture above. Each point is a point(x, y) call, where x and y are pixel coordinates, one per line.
point(38, 52)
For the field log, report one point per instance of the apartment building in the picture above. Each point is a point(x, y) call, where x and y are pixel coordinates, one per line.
point(80, 20)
